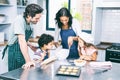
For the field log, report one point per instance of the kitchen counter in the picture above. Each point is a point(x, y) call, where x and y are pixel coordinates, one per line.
point(103, 45)
point(48, 72)
point(4, 43)
point(32, 40)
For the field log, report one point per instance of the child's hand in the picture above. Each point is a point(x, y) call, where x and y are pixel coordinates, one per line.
point(82, 57)
point(88, 58)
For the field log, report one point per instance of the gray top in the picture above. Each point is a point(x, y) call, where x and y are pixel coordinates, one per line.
point(18, 27)
point(48, 72)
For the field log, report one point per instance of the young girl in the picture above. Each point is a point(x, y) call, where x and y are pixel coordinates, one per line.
point(87, 51)
point(45, 43)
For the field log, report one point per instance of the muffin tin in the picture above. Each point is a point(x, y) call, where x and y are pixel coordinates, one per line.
point(68, 70)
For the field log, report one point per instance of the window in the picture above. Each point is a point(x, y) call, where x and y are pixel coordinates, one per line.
point(80, 9)
point(52, 6)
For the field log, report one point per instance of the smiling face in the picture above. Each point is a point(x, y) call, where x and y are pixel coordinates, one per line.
point(34, 19)
point(64, 20)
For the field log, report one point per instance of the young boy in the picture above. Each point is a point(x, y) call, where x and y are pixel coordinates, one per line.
point(45, 43)
point(87, 51)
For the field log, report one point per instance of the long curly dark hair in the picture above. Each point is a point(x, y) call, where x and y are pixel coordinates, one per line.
point(63, 12)
point(32, 10)
point(45, 39)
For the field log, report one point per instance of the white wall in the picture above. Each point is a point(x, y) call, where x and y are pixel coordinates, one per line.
point(40, 27)
point(105, 24)
point(111, 26)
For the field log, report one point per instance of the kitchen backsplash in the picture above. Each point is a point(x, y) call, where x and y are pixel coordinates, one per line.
point(106, 21)
point(111, 25)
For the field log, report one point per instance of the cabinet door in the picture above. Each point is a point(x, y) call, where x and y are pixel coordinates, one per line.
point(3, 62)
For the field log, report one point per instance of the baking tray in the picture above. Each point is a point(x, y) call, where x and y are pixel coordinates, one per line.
point(68, 70)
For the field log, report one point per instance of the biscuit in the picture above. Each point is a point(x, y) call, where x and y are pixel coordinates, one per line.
point(72, 73)
point(69, 70)
point(62, 69)
point(70, 67)
point(66, 73)
point(74, 70)
point(60, 72)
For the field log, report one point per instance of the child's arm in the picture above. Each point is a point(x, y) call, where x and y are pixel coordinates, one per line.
point(92, 57)
point(81, 55)
point(40, 54)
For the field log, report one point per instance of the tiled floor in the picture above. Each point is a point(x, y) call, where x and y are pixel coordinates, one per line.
point(4, 64)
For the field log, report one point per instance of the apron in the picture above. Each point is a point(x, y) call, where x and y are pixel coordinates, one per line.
point(40, 52)
point(73, 53)
point(15, 57)
point(46, 57)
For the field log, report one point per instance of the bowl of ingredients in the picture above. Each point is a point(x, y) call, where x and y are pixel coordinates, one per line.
point(79, 62)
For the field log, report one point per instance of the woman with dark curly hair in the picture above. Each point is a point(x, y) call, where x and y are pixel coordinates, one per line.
point(45, 43)
point(66, 30)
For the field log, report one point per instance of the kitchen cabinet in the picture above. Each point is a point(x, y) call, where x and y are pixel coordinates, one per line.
point(105, 21)
point(11, 10)
point(101, 55)
point(4, 62)
point(5, 10)
point(21, 4)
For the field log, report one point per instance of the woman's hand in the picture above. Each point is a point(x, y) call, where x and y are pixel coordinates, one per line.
point(28, 65)
point(57, 44)
point(70, 41)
